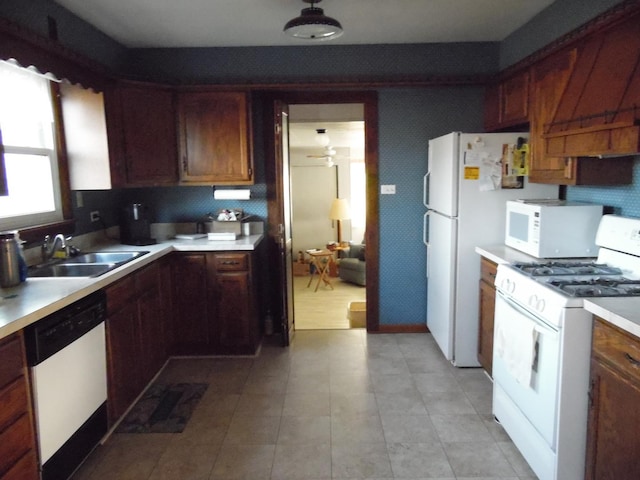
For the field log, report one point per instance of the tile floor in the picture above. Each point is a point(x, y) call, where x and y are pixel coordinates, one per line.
point(337, 404)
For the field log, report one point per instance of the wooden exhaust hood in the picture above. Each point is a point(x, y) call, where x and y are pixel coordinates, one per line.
point(598, 114)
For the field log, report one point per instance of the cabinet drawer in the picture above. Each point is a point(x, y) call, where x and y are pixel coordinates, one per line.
point(231, 261)
point(11, 364)
point(13, 402)
point(25, 469)
point(617, 348)
point(15, 441)
point(118, 294)
point(488, 270)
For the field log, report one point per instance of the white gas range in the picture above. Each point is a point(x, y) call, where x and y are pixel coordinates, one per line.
point(542, 344)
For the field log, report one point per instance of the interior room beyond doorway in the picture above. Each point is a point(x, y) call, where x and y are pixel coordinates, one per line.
point(326, 149)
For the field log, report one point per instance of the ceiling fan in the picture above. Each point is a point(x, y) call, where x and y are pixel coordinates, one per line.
point(327, 155)
point(322, 138)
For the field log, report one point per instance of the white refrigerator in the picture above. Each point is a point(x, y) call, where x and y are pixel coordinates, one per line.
point(465, 208)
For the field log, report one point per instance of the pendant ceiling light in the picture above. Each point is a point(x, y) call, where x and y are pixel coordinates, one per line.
point(313, 24)
point(322, 138)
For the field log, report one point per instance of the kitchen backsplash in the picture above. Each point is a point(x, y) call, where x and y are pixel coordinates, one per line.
point(166, 204)
point(624, 199)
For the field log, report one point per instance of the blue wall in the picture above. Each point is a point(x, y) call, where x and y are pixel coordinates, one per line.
point(407, 119)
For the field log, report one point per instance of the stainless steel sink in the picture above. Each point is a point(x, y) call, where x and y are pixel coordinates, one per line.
point(71, 270)
point(104, 257)
point(91, 264)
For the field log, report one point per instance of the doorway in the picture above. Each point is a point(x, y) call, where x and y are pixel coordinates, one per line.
point(326, 158)
point(278, 245)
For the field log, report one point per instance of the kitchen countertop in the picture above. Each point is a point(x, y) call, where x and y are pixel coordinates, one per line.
point(38, 297)
point(623, 312)
point(503, 254)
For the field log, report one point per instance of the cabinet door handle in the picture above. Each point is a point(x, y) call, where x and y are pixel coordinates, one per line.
point(230, 262)
point(632, 360)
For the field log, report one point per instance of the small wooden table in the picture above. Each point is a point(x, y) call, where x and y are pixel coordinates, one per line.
point(336, 249)
point(322, 267)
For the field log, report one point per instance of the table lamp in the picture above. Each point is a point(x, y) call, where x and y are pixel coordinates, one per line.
point(339, 211)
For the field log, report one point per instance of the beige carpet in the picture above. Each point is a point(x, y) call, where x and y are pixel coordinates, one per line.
point(326, 308)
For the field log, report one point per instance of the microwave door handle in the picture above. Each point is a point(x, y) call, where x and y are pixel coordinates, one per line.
point(539, 326)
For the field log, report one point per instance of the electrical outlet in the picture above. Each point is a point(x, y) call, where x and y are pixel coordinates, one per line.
point(95, 216)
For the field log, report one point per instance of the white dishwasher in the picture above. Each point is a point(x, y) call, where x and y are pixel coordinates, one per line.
point(66, 352)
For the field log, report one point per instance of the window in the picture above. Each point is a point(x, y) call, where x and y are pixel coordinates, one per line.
point(30, 160)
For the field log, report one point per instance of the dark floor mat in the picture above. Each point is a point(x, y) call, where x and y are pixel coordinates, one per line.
point(164, 408)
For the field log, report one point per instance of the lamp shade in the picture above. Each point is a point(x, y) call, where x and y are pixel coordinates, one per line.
point(313, 24)
point(340, 209)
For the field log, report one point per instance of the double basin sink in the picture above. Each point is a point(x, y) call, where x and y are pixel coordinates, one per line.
point(91, 264)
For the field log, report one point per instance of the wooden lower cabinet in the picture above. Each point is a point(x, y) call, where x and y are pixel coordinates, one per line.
point(613, 447)
point(136, 336)
point(237, 329)
point(214, 303)
point(488, 271)
point(123, 339)
point(191, 325)
point(18, 450)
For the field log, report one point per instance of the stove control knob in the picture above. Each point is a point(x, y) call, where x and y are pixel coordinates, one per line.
point(508, 285)
point(536, 303)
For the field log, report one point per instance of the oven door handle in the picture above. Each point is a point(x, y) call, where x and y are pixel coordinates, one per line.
point(539, 325)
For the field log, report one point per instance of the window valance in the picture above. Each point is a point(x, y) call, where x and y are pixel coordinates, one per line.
point(30, 50)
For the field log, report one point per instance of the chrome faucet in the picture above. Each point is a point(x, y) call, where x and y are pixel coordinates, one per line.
point(49, 247)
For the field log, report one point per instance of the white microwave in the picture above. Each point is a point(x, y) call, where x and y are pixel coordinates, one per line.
point(553, 228)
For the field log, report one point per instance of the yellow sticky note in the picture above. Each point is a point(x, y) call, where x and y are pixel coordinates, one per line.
point(471, 173)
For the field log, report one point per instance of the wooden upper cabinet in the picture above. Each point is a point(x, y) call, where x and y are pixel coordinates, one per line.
point(598, 113)
point(507, 102)
point(549, 81)
point(142, 135)
point(514, 99)
point(550, 87)
point(215, 138)
point(492, 107)
point(581, 98)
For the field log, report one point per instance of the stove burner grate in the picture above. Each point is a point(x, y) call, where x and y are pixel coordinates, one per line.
point(597, 287)
point(566, 268)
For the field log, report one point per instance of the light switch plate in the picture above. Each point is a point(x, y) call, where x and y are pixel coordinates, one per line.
point(388, 189)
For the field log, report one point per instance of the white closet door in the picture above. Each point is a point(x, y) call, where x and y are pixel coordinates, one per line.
point(313, 189)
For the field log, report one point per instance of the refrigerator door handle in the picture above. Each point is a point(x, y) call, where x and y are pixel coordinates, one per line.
point(425, 184)
point(425, 240)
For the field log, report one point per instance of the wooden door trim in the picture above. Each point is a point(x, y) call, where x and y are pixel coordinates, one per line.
point(372, 236)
